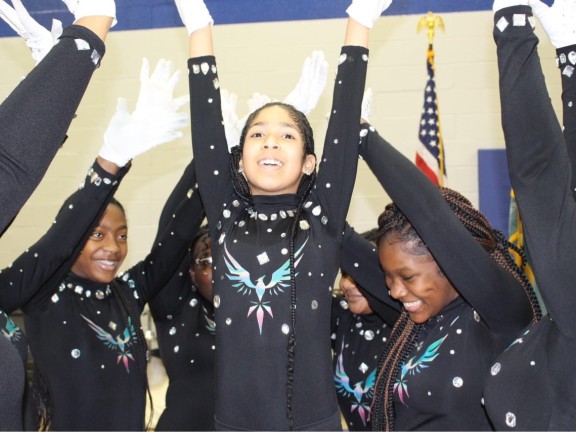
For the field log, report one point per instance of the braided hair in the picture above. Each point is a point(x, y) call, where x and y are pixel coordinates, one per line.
point(242, 188)
point(393, 226)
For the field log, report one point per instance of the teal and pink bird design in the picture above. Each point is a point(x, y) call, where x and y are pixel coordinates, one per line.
point(242, 279)
point(120, 343)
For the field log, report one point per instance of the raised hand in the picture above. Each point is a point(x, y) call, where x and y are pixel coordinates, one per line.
point(194, 14)
point(154, 121)
point(230, 119)
point(366, 12)
point(39, 39)
point(311, 85)
point(558, 20)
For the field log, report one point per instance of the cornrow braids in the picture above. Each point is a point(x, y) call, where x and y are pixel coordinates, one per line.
point(310, 180)
point(393, 226)
point(402, 338)
point(241, 186)
point(242, 189)
point(494, 242)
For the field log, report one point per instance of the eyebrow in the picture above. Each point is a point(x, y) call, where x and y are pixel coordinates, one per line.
point(288, 125)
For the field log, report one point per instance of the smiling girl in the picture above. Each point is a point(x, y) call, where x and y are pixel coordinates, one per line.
point(276, 234)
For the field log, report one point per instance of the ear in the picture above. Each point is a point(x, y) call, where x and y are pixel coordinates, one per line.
point(309, 164)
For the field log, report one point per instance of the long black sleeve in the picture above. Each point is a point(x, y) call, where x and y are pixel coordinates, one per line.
point(172, 294)
point(359, 259)
point(35, 117)
point(539, 166)
point(490, 289)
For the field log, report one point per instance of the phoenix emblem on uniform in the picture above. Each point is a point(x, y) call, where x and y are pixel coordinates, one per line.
point(11, 331)
point(120, 343)
point(363, 390)
point(246, 284)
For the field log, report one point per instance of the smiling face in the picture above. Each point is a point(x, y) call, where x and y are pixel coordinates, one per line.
point(357, 303)
point(273, 158)
point(105, 249)
point(415, 280)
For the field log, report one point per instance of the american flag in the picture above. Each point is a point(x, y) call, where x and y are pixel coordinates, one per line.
point(430, 157)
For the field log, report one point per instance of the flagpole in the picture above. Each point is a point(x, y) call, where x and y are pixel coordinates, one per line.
point(431, 21)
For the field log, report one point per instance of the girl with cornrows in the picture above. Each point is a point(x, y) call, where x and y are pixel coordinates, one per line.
point(83, 322)
point(532, 386)
point(276, 234)
point(462, 298)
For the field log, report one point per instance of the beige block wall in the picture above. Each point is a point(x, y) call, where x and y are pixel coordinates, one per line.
point(267, 58)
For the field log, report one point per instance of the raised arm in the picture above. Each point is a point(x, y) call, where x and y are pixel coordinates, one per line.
point(539, 166)
point(170, 296)
point(208, 137)
point(491, 290)
point(337, 173)
point(154, 121)
point(36, 115)
point(359, 259)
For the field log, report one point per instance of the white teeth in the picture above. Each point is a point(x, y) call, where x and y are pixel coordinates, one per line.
point(411, 304)
point(269, 162)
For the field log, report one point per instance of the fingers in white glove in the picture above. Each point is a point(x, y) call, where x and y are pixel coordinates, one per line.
point(84, 8)
point(194, 14)
point(257, 101)
point(230, 117)
point(155, 120)
point(558, 20)
point(157, 89)
point(311, 85)
point(366, 12)
point(9, 15)
point(39, 39)
point(366, 110)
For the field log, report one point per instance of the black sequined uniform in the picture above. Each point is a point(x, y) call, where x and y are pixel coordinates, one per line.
point(250, 246)
point(357, 341)
point(532, 386)
point(185, 327)
point(440, 386)
point(83, 334)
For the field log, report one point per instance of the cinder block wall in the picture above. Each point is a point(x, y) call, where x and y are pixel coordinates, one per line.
point(267, 58)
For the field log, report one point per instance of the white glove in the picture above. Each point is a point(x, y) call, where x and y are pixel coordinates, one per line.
point(84, 8)
point(37, 38)
point(194, 14)
point(257, 101)
point(501, 4)
point(154, 121)
point(366, 105)
point(366, 12)
point(558, 20)
point(230, 118)
point(312, 82)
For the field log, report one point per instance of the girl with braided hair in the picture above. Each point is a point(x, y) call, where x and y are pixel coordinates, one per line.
point(276, 234)
point(532, 386)
point(462, 298)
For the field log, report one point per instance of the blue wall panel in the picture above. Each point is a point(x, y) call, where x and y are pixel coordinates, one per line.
point(145, 14)
point(494, 187)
